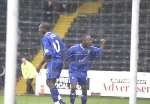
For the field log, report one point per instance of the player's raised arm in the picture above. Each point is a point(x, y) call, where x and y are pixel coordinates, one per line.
point(102, 43)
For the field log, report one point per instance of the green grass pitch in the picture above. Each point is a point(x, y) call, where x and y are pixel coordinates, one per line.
point(91, 100)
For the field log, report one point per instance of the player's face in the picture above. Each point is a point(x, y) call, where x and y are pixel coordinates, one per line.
point(87, 41)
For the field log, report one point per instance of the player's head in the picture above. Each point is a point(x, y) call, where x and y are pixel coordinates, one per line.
point(44, 27)
point(86, 40)
point(51, 0)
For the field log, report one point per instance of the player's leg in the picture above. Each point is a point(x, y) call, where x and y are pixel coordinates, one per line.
point(53, 72)
point(73, 93)
point(54, 91)
point(83, 83)
point(73, 81)
point(84, 94)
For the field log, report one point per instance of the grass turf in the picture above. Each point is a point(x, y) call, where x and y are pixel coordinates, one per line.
point(91, 100)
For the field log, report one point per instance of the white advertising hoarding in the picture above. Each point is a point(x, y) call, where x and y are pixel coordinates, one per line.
point(101, 83)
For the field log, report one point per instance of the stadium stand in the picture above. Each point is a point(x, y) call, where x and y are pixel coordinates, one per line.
point(2, 38)
point(29, 19)
point(2, 30)
point(114, 23)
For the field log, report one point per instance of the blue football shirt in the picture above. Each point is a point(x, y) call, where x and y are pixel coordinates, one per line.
point(79, 57)
point(52, 46)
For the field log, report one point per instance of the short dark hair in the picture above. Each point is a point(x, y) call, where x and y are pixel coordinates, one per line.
point(45, 25)
point(85, 35)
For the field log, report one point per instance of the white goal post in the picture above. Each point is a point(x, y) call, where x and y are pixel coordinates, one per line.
point(134, 50)
point(11, 51)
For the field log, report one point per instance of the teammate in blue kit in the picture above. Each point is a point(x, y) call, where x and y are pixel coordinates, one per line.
point(53, 49)
point(79, 57)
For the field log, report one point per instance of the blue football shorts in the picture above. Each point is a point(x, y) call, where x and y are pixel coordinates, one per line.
point(78, 77)
point(54, 68)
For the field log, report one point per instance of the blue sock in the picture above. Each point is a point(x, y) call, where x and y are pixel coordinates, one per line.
point(54, 94)
point(72, 96)
point(83, 99)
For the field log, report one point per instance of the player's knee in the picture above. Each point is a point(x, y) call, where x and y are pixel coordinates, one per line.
point(73, 90)
point(50, 84)
point(84, 91)
point(73, 87)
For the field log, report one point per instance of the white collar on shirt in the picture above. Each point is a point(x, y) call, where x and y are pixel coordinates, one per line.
point(82, 46)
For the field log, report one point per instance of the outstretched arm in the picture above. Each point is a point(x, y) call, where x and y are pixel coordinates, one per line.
point(96, 52)
point(102, 43)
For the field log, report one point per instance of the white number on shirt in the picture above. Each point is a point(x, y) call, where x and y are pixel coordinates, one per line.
point(56, 46)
